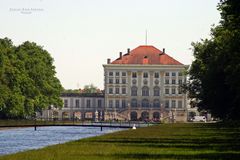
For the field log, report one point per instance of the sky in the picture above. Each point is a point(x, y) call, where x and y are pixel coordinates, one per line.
point(81, 34)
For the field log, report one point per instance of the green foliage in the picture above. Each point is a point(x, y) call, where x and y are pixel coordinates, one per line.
point(71, 91)
point(215, 73)
point(167, 141)
point(27, 80)
point(90, 89)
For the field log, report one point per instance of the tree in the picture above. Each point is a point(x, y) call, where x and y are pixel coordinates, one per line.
point(71, 91)
point(90, 89)
point(214, 75)
point(27, 80)
point(10, 98)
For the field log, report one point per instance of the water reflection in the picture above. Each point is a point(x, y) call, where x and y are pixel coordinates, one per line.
point(15, 140)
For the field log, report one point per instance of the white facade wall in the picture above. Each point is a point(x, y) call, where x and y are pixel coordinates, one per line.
point(175, 74)
point(78, 107)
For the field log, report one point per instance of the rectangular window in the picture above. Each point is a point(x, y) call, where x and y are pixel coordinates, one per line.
point(88, 103)
point(145, 91)
point(99, 103)
point(180, 81)
point(110, 103)
point(117, 81)
point(166, 103)
point(173, 74)
point(173, 90)
point(166, 91)
point(123, 81)
point(156, 75)
point(134, 91)
point(77, 103)
point(166, 81)
point(123, 74)
point(173, 103)
point(134, 75)
point(179, 90)
point(180, 74)
point(117, 73)
point(156, 92)
point(117, 90)
point(110, 91)
point(145, 75)
point(117, 103)
point(110, 81)
point(173, 81)
point(167, 74)
point(124, 103)
point(65, 103)
point(110, 73)
point(123, 90)
point(179, 104)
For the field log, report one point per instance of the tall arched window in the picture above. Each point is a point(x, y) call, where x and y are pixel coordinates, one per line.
point(145, 91)
point(133, 116)
point(145, 115)
point(134, 103)
point(134, 91)
point(156, 103)
point(156, 91)
point(145, 103)
point(156, 116)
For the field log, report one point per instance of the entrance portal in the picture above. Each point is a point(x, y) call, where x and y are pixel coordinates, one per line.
point(133, 116)
point(156, 116)
point(145, 116)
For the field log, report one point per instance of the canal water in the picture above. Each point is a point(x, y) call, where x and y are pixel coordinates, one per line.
point(21, 139)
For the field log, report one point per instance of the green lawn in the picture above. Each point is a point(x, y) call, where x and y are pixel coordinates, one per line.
point(166, 141)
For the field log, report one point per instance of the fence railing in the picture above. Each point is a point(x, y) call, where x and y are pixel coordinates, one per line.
point(73, 122)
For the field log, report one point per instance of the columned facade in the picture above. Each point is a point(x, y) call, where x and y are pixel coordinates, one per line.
point(149, 91)
point(78, 106)
point(143, 84)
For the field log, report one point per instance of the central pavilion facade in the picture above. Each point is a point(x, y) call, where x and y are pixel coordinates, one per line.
point(145, 84)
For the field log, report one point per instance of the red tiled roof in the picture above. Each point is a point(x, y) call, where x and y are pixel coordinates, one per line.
point(146, 55)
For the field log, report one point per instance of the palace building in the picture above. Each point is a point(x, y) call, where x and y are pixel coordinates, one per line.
point(79, 106)
point(144, 84)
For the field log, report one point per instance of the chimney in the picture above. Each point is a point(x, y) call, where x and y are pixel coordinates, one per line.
point(120, 55)
point(163, 50)
point(108, 61)
point(128, 50)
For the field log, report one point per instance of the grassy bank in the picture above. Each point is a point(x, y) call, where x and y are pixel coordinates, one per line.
point(167, 141)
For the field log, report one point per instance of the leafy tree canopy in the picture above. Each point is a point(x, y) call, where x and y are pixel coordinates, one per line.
point(28, 81)
point(214, 75)
point(90, 89)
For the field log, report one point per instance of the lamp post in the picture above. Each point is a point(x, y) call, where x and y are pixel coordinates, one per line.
point(48, 113)
point(173, 116)
point(129, 111)
point(100, 115)
point(96, 116)
point(35, 121)
point(115, 113)
point(72, 111)
point(161, 112)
